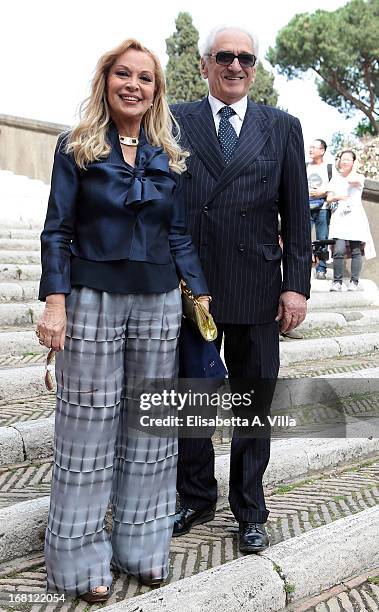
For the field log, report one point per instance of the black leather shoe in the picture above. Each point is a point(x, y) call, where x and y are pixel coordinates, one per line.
point(253, 537)
point(185, 519)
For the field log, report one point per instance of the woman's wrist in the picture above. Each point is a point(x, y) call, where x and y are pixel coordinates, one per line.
point(56, 299)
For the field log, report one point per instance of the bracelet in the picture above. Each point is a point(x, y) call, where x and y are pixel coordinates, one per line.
point(205, 296)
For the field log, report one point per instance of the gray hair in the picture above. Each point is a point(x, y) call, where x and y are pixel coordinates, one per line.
point(205, 46)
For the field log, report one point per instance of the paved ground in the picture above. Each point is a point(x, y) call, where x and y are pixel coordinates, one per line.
point(360, 594)
point(294, 509)
point(11, 361)
point(335, 332)
point(326, 367)
point(26, 409)
point(23, 481)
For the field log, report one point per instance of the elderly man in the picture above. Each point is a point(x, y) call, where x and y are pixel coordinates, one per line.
point(246, 165)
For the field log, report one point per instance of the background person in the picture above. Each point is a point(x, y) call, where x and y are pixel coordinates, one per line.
point(349, 221)
point(114, 246)
point(319, 174)
point(246, 165)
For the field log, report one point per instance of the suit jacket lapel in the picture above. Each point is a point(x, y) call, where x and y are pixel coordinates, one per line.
point(200, 129)
point(255, 131)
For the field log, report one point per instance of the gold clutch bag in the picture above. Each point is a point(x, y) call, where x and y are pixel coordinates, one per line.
point(195, 312)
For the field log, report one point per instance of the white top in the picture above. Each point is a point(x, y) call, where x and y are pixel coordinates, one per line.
point(318, 178)
point(349, 220)
point(236, 120)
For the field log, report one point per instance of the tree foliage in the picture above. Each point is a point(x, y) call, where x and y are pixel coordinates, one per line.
point(342, 48)
point(184, 82)
point(263, 91)
point(364, 128)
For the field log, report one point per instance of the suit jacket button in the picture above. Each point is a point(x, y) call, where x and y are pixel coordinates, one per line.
point(205, 209)
point(241, 247)
point(243, 212)
point(264, 179)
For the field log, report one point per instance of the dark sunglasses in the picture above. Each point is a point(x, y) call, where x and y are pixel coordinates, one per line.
point(225, 58)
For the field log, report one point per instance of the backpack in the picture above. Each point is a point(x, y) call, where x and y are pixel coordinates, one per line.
point(317, 204)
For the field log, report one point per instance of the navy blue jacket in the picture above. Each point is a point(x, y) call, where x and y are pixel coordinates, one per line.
point(113, 211)
point(232, 210)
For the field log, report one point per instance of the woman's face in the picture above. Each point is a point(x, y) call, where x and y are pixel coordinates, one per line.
point(131, 87)
point(346, 163)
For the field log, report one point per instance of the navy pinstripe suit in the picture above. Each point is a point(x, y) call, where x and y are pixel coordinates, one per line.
point(232, 214)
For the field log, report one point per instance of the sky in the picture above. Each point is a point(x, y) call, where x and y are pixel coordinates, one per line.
point(48, 50)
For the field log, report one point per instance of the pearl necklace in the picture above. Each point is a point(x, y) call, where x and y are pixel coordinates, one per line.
point(129, 140)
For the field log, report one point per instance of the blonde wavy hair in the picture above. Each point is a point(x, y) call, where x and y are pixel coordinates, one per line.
point(88, 140)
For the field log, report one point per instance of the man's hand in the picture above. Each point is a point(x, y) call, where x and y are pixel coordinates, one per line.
point(292, 310)
point(317, 193)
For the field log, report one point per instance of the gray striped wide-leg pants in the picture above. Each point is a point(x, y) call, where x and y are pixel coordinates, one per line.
point(110, 339)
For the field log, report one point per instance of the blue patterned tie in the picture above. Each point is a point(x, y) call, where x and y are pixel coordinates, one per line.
point(226, 133)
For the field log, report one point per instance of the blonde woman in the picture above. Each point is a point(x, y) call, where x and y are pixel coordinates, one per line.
point(114, 246)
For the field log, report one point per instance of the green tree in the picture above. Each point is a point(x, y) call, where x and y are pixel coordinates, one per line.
point(184, 82)
point(364, 128)
point(342, 48)
point(263, 91)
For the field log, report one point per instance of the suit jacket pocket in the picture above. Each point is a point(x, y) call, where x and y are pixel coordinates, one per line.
point(271, 252)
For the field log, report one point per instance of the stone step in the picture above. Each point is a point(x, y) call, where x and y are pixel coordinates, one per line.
point(20, 344)
point(20, 224)
point(18, 314)
point(10, 272)
point(335, 301)
point(19, 244)
point(344, 318)
point(323, 286)
point(20, 257)
point(298, 351)
point(26, 441)
point(19, 291)
point(22, 382)
point(308, 521)
point(20, 234)
point(273, 580)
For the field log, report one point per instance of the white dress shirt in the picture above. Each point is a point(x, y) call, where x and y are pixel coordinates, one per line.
point(238, 107)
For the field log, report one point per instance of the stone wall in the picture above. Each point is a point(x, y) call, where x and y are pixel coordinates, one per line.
point(27, 146)
point(371, 205)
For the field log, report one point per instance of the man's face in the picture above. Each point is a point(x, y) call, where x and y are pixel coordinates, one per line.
point(229, 83)
point(316, 150)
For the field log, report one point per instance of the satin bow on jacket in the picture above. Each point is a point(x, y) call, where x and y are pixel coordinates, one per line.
point(112, 211)
point(140, 180)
